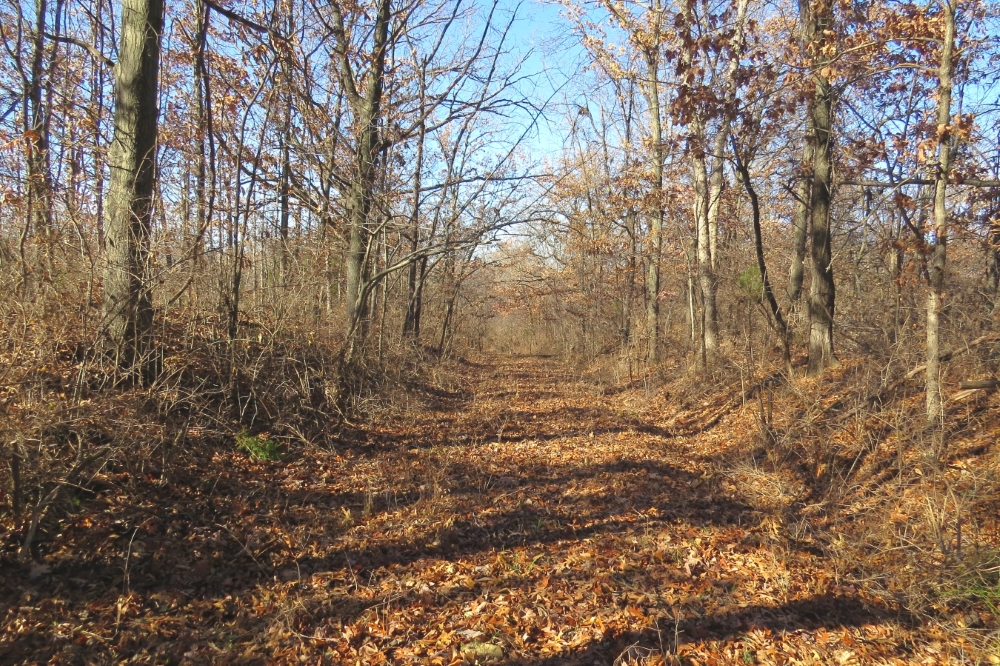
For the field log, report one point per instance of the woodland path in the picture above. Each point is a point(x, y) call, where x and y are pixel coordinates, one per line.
point(525, 509)
point(552, 519)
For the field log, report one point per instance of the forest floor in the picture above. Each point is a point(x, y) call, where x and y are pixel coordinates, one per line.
point(519, 515)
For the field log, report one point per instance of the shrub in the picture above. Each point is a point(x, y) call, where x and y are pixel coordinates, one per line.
point(751, 284)
point(259, 447)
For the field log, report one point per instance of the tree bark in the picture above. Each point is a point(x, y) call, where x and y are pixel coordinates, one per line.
point(411, 322)
point(896, 258)
point(97, 79)
point(367, 111)
point(36, 133)
point(128, 307)
point(708, 177)
point(993, 261)
point(937, 264)
point(204, 200)
point(716, 183)
point(803, 201)
point(818, 25)
point(716, 179)
point(652, 91)
point(706, 273)
point(284, 185)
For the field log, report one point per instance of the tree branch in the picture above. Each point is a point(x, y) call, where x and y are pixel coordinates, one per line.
point(89, 48)
point(915, 180)
point(233, 16)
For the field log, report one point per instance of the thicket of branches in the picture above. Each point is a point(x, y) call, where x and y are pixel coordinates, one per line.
point(227, 218)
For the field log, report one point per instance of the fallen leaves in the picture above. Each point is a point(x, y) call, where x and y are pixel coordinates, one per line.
point(538, 523)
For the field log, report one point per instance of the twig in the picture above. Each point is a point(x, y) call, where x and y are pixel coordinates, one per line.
point(36, 516)
point(50, 497)
point(15, 475)
point(350, 568)
point(677, 631)
point(128, 556)
point(243, 546)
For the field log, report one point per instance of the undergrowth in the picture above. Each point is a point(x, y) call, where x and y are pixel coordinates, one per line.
point(71, 425)
point(258, 447)
point(906, 510)
point(843, 466)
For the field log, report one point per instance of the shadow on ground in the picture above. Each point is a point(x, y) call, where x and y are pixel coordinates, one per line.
point(822, 612)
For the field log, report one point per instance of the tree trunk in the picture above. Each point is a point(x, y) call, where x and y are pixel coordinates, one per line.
point(818, 24)
point(450, 286)
point(896, 258)
point(630, 269)
point(367, 112)
point(716, 183)
point(97, 79)
point(652, 90)
point(937, 264)
point(780, 325)
point(204, 201)
point(411, 323)
point(692, 249)
point(284, 186)
point(128, 307)
point(36, 133)
point(993, 262)
point(716, 178)
point(707, 156)
point(706, 273)
point(803, 201)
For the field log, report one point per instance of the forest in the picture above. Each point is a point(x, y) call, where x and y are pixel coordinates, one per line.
point(624, 332)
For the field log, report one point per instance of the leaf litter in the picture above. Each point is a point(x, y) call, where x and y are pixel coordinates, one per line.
point(530, 519)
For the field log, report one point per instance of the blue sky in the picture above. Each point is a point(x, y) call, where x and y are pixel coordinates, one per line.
point(554, 60)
